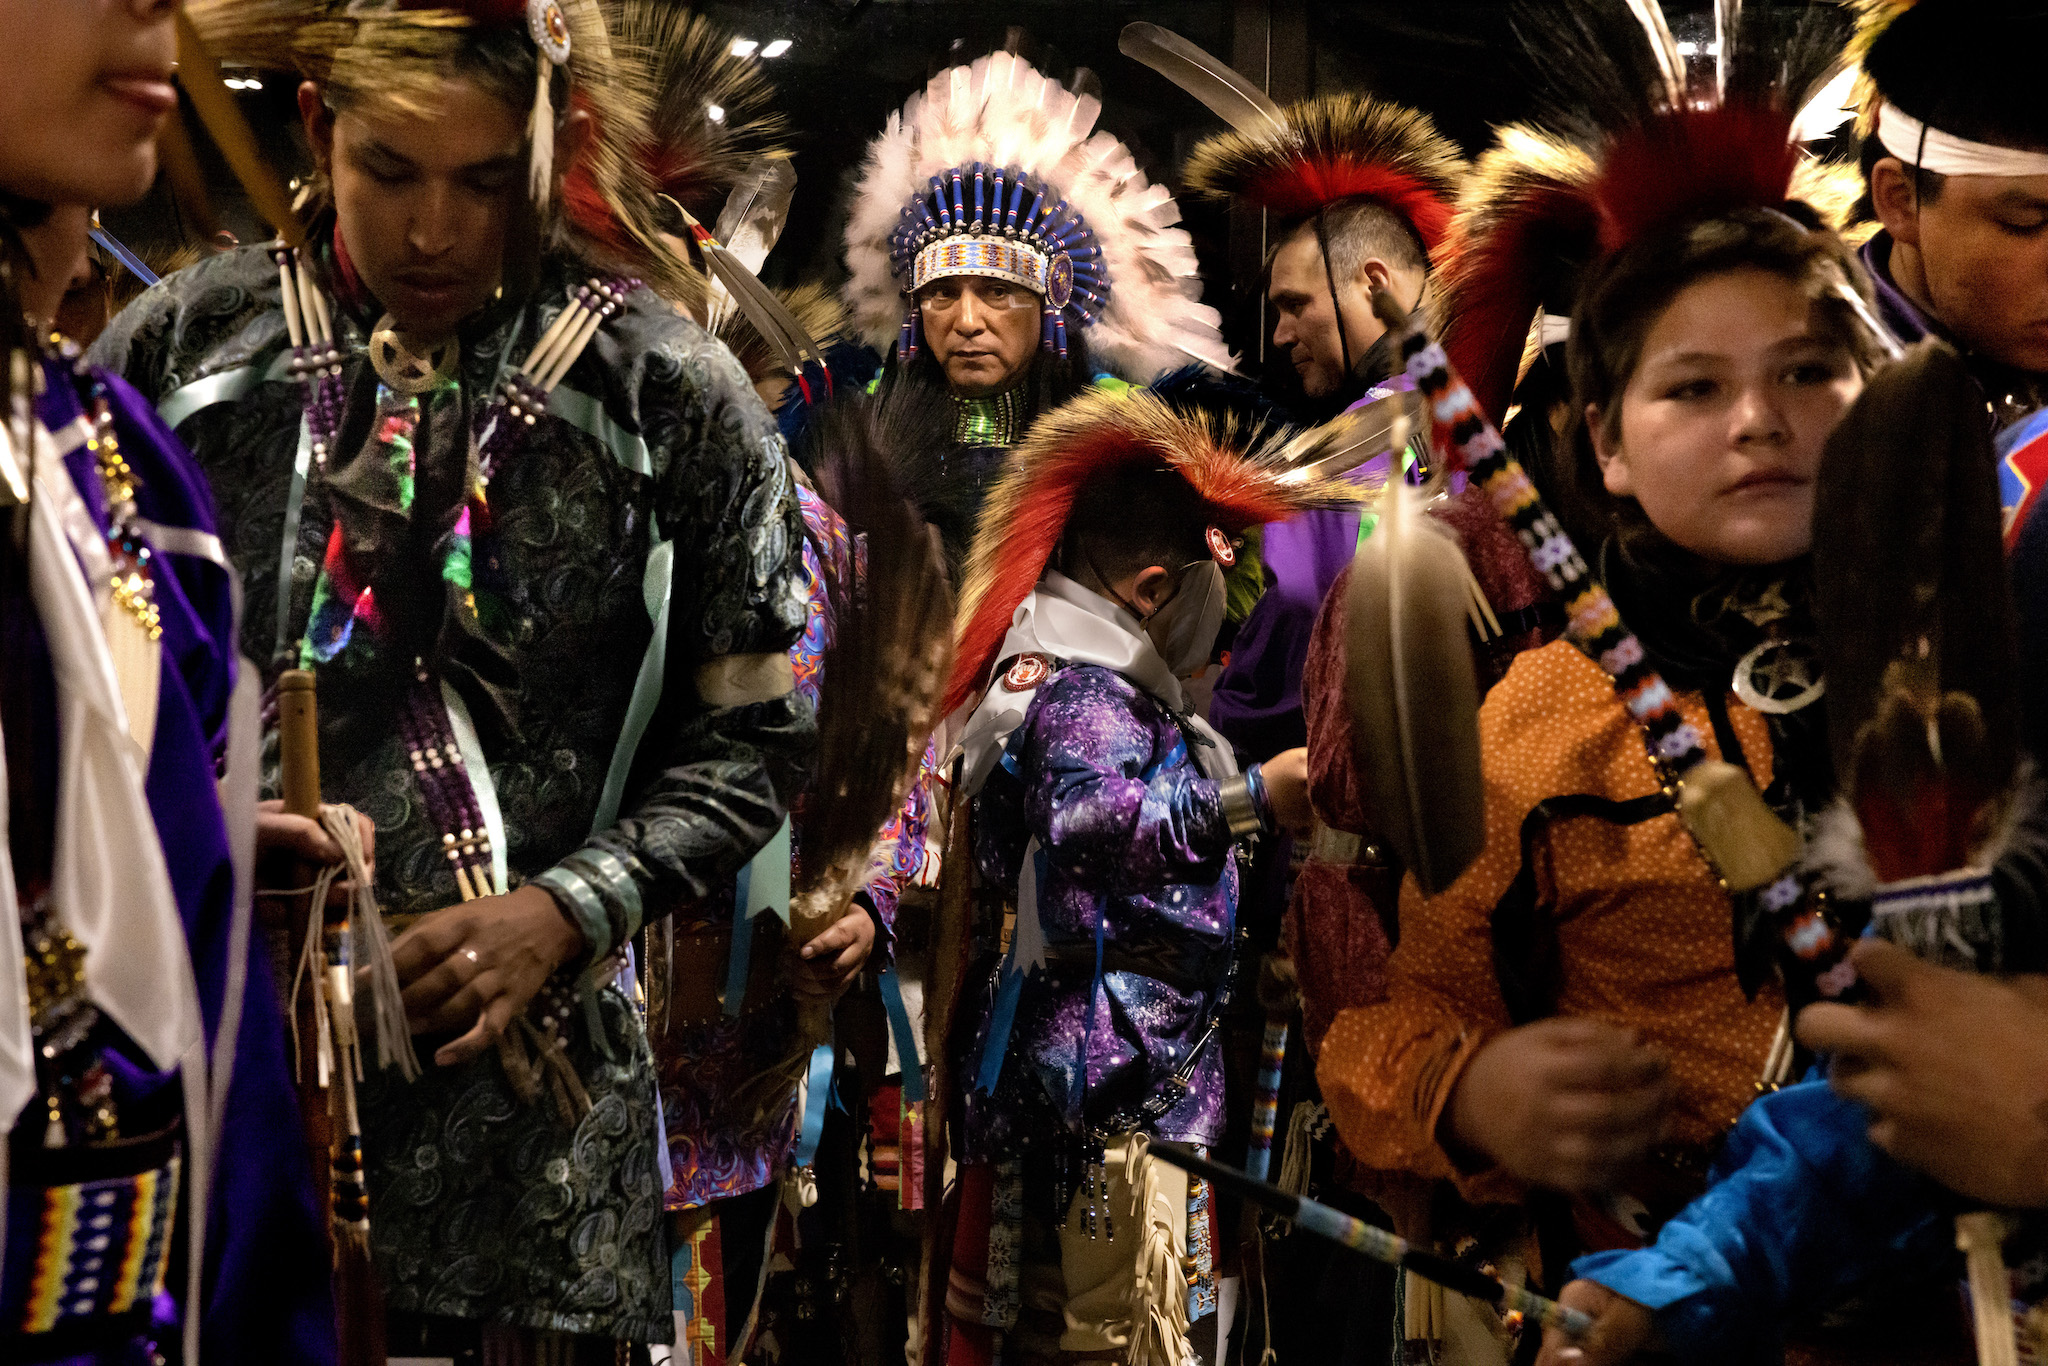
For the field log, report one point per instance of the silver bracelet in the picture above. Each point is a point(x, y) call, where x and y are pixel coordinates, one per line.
point(1239, 810)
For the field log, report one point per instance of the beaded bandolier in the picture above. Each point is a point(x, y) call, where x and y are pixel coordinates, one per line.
point(538, 651)
point(428, 717)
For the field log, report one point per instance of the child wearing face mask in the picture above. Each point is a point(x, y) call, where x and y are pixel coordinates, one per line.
point(1104, 825)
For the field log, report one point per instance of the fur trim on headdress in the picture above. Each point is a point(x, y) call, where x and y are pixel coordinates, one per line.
point(1525, 228)
point(1247, 475)
point(1002, 113)
point(1334, 148)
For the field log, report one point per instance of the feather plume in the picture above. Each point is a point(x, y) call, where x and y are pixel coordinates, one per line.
point(1337, 147)
point(1002, 110)
point(1727, 24)
point(1410, 687)
point(1650, 15)
point(756, 209)
point(1917, 628)
point(774, 322)
point(1247, 475)
point(883, 672)
point(750, 225)
point(1229, 96)
point(692, 157)
point(817, 312)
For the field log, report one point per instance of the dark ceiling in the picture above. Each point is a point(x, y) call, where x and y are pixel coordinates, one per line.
point(849, 62)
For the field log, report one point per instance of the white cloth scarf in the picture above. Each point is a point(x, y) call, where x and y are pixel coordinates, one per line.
point(1916, 144)
point(1064, 620)
point(109, 885)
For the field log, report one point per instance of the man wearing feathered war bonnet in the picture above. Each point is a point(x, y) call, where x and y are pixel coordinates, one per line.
point(534, 533)
point(1003, 251)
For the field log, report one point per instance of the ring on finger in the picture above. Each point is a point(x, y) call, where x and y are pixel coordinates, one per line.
point(470, 954)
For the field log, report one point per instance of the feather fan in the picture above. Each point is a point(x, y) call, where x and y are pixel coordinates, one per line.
point(1918, 633)
point(1411, 690)
point(884, 668)
point(1247, 475)
point(1919, 646)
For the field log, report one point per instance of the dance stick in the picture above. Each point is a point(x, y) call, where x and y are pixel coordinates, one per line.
point(1379, 1244)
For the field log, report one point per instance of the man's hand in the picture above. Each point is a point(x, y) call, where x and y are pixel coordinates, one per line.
point(1954, 1066)
point(1286, 777)
point(476, 966)
point(827, 965)
point(1569, 1103)
point(1621, 1328)
point(288, 845)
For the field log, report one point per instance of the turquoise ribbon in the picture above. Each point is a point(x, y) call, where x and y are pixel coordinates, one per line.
point(679, 1267)
point(906, 1038)
point(997, 1044)
point(762, 885)
point(815, 1099)
point(1004, 1014)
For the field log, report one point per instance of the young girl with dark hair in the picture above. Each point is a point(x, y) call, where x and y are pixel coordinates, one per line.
point(1571, 1023)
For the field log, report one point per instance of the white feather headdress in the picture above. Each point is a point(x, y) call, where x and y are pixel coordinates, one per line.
point(1131, 279)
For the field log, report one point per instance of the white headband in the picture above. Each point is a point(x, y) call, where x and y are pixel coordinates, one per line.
point(1914, 143)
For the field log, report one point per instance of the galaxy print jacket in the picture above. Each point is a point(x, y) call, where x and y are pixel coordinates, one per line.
point(644, 531)
point(1136, 885)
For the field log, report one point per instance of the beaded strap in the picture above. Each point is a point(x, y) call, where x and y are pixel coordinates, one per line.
point(315, 357)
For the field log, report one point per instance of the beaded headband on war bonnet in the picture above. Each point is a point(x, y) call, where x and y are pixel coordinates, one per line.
point(1048, 248)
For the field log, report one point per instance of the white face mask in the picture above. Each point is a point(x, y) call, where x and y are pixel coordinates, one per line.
point(1184, 631)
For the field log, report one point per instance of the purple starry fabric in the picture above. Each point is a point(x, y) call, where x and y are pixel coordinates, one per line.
point(1137, 865)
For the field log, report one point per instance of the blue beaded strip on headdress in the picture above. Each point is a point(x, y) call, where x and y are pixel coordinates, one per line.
point(961, 225)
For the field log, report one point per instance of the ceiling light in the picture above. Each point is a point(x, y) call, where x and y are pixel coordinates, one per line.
point(1688, 49)
point(716, 113)
point(744, 47)
point(776, 48)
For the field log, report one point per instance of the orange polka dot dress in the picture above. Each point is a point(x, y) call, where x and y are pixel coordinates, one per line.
point(1643, 930)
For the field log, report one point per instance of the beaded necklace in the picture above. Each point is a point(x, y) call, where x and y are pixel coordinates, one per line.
point(77, 1089)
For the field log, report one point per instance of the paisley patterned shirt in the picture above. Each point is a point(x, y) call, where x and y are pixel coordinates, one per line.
point(654, 491)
